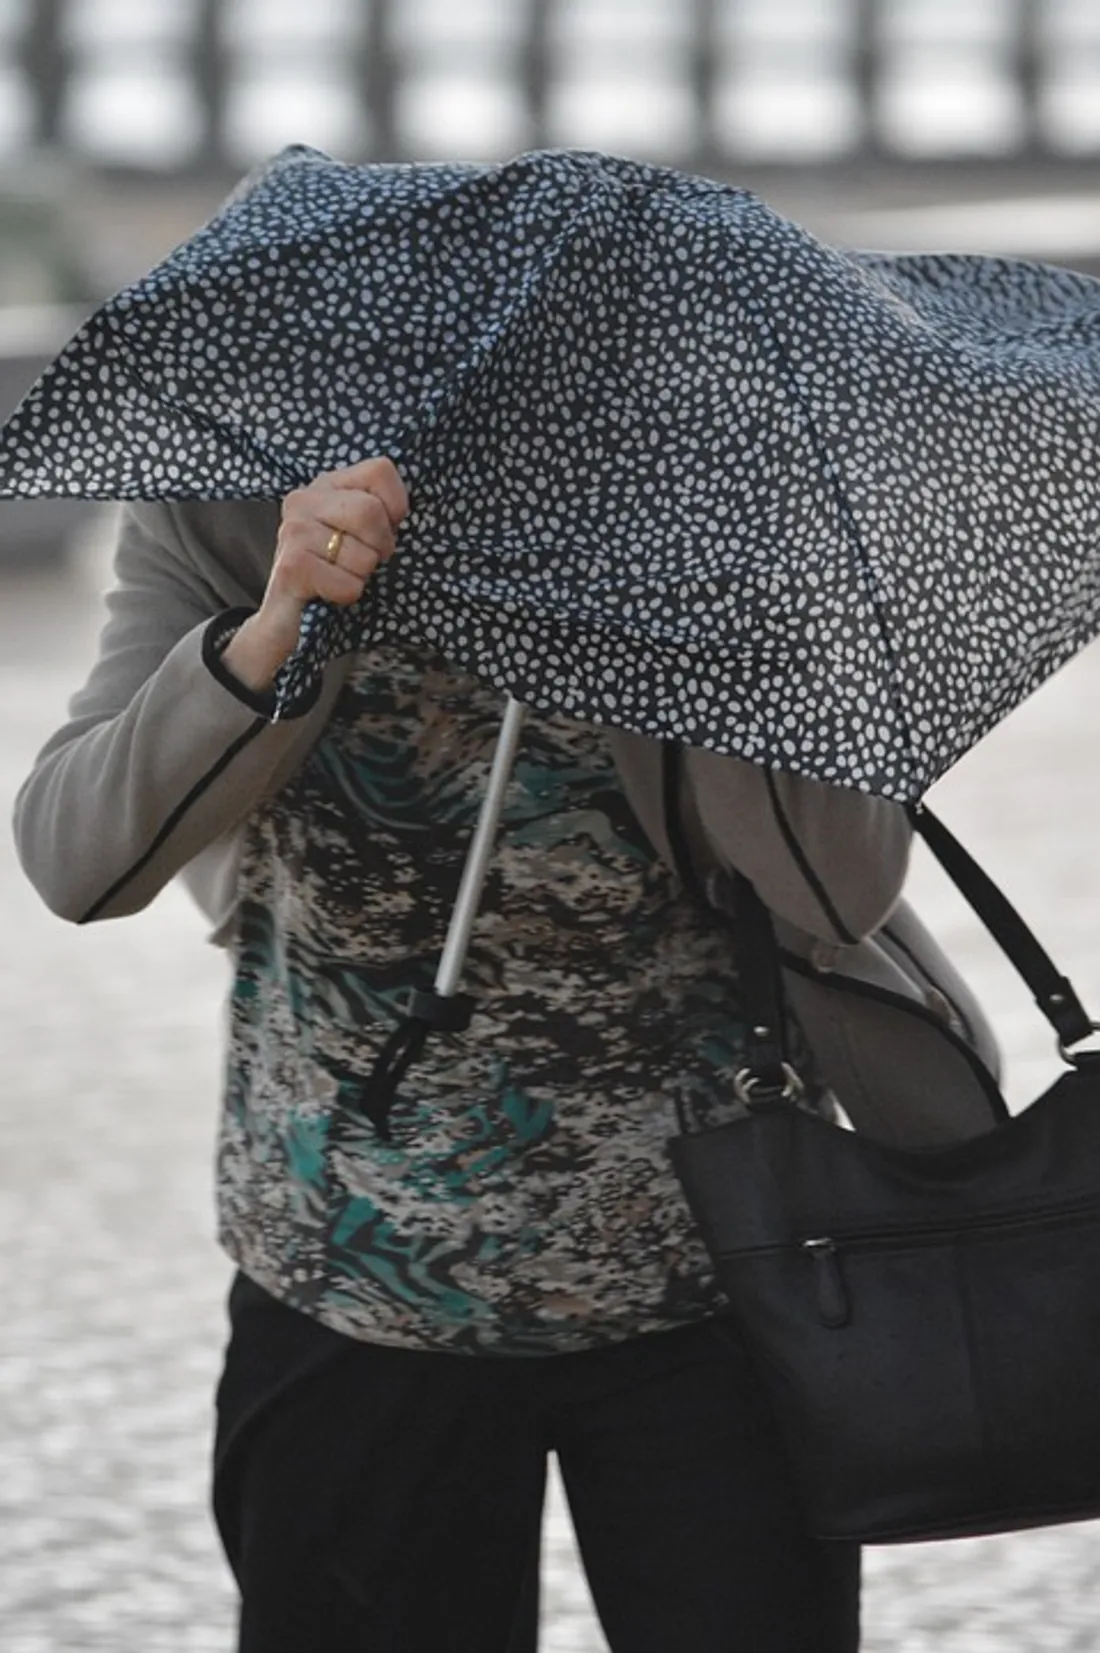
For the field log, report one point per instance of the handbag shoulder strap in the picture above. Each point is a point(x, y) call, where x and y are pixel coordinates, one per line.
point(760, 976)
point(1054, 993)
point(761, 982)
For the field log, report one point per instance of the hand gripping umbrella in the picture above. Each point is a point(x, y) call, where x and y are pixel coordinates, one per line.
point(675, 464)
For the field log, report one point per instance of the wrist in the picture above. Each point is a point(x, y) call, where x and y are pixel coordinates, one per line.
point(254, 654)
point(254, 660)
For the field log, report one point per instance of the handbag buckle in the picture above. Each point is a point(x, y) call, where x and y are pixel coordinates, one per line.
point(758, 1090)
point(1076, 1057)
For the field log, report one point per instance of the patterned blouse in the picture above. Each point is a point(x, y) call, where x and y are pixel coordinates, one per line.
point(525, 1204)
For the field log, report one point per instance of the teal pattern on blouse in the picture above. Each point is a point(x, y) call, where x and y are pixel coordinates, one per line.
point(526, 1204)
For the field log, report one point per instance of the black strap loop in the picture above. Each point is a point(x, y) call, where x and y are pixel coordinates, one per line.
point(427, 1012)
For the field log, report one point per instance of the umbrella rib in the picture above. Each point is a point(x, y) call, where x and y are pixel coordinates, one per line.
point(245, 443)
point(831, 472)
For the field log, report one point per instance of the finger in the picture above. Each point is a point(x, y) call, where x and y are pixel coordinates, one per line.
point(359, 515)
point(302, 571)
point(311, 515)
point(348, 553)
point(335, 584)
point(379, 476)
point(329, 542)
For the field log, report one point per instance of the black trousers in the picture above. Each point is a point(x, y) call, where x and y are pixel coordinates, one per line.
point(386, 1500)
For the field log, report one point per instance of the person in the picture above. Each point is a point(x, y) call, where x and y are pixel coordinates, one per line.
point(418, 1320)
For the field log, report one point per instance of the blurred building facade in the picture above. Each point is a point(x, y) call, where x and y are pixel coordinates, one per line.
point(185, 88)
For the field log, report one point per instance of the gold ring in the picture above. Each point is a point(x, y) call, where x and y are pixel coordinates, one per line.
point(335, 541)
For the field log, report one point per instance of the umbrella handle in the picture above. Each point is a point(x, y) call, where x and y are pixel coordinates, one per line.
point(453, 957)
point(444, 1008)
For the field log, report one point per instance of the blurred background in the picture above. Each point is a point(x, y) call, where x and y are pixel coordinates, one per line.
point(898, 123)
point(970, 125)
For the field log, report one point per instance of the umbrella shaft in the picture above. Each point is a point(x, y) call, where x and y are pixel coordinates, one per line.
point(453, 957)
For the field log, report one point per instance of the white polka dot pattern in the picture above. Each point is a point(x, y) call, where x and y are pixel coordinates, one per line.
point(675, 464)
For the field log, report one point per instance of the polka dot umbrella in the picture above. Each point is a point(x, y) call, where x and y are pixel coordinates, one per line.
point(675, 464)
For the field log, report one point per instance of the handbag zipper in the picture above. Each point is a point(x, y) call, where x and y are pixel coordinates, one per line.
point(833, 1303)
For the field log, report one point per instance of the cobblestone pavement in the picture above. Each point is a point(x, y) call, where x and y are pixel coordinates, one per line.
point(112, 1296)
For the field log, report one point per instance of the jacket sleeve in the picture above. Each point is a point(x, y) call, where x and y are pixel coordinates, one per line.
point(827, 859)
point(161, 754)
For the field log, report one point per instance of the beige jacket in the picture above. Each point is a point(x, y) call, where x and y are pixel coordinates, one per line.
point(163, 758)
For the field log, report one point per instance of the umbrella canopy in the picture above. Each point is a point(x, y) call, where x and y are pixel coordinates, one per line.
point(675, 464)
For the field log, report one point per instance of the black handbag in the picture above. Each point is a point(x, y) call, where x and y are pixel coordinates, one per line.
point(926, 1322)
